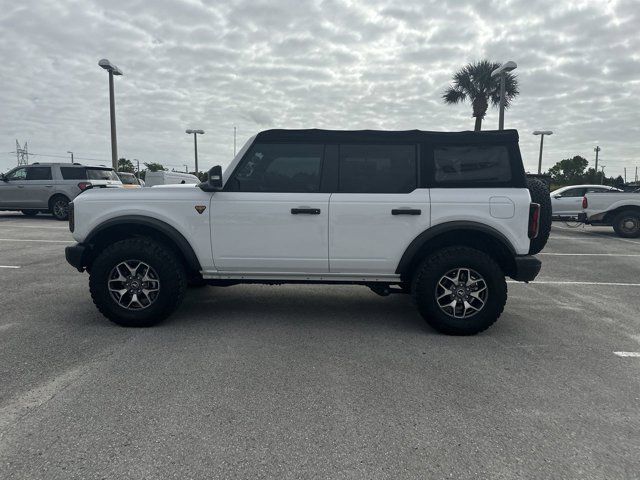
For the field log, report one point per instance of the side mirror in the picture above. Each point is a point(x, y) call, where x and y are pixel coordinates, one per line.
point(557, 196)
point(214, 180)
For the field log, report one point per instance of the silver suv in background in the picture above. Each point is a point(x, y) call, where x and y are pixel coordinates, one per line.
point(49, 187)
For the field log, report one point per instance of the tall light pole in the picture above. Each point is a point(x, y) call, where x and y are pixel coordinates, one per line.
point(602, 178)
point(502, 71)
point(542, 133)
point(235, 129)
point(597, 150)
point(69, 151)
point(113, 70)
point(195, 143)
point(137, 168)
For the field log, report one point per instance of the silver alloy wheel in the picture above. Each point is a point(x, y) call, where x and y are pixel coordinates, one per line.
point(133, 284)
point(629, 225)
point(60, 208)
point(461, 292)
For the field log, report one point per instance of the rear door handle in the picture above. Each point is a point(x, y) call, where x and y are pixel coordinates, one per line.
point(305, 211)
point(406, 211)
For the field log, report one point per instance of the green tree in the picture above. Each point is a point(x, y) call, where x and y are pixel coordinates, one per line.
point(125, 165)
point(619, 182)
point(569, 171)
point(473, 82)
point(154, 167)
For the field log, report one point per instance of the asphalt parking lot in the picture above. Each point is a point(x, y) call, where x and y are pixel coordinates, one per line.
point(317, 381)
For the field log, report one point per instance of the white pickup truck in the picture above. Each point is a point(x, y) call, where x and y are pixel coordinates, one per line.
point(443, 216)
point(621, 210)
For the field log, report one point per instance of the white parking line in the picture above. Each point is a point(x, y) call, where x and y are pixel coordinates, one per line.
point(592, 254)
point(32, 240)
point(9, 266)
point(627, 354)
point(586, 234)
point(569, 282)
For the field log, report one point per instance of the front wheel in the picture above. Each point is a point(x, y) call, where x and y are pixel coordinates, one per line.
point(627, 224)
point(137, 282)
point(460, 290)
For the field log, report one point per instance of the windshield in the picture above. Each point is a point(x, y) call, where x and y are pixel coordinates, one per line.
point(101, 174)
point(128, 178)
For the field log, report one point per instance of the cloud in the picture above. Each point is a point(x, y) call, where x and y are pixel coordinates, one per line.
point(260, 64)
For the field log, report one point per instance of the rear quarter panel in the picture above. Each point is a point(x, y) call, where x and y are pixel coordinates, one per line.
point(504, 209)
point(605, 202)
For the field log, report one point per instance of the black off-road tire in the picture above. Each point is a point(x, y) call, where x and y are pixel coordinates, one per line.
point(171, 274)
point(30, 213)
point(540, 195)
point(623, 219)
point(435, 266)
point(59, 207)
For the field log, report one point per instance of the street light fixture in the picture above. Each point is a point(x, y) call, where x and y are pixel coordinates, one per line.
point(69, 151)
point(113, 70)
point(502, 71)
point(542, 133)
point(195, 143)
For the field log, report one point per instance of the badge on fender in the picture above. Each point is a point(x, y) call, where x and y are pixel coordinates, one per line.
point(200, 209)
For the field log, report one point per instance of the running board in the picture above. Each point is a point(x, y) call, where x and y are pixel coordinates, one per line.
point(301, 277)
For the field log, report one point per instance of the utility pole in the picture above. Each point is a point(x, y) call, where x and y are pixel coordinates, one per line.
point(636, 174)
point(597, 150)
point(137, 168)
point(234, 140)
point(602, 178)
point(625, 174)
point(186, 169)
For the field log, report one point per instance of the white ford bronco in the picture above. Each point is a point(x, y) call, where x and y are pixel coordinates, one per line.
point(442, 216)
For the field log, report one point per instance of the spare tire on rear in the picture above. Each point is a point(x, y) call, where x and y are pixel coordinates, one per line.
point(540, 195)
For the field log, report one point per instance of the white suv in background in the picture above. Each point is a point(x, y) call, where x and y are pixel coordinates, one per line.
point(443, 216)
point(49, 187)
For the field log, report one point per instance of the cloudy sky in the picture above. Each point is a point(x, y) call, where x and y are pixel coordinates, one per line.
point(340, 64)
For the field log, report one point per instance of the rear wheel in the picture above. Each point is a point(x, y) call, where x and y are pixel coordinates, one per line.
point(30, 213)
point(627, 224)
point(137, 282)
point(460, 290)
point(59, 206)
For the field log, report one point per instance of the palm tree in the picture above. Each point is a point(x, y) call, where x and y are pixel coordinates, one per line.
point(474, 82)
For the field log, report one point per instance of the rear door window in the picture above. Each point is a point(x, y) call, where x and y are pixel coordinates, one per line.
point(472, 164)
point(39, 173)
point(377, 169)
point(101, 174)
point(73, 173)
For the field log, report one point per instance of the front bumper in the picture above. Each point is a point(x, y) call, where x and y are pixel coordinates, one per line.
point(527, 268)
point(76, 256)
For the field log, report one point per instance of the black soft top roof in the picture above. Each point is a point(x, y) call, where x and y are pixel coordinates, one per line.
point(385, 136)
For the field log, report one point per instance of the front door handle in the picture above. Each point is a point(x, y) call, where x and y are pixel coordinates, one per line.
point(406, 211)
point(305, 211)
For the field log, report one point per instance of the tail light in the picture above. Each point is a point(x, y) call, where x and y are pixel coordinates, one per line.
point(585, 202)
point(534, 220)
point(84, 186)
point(72, 223)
